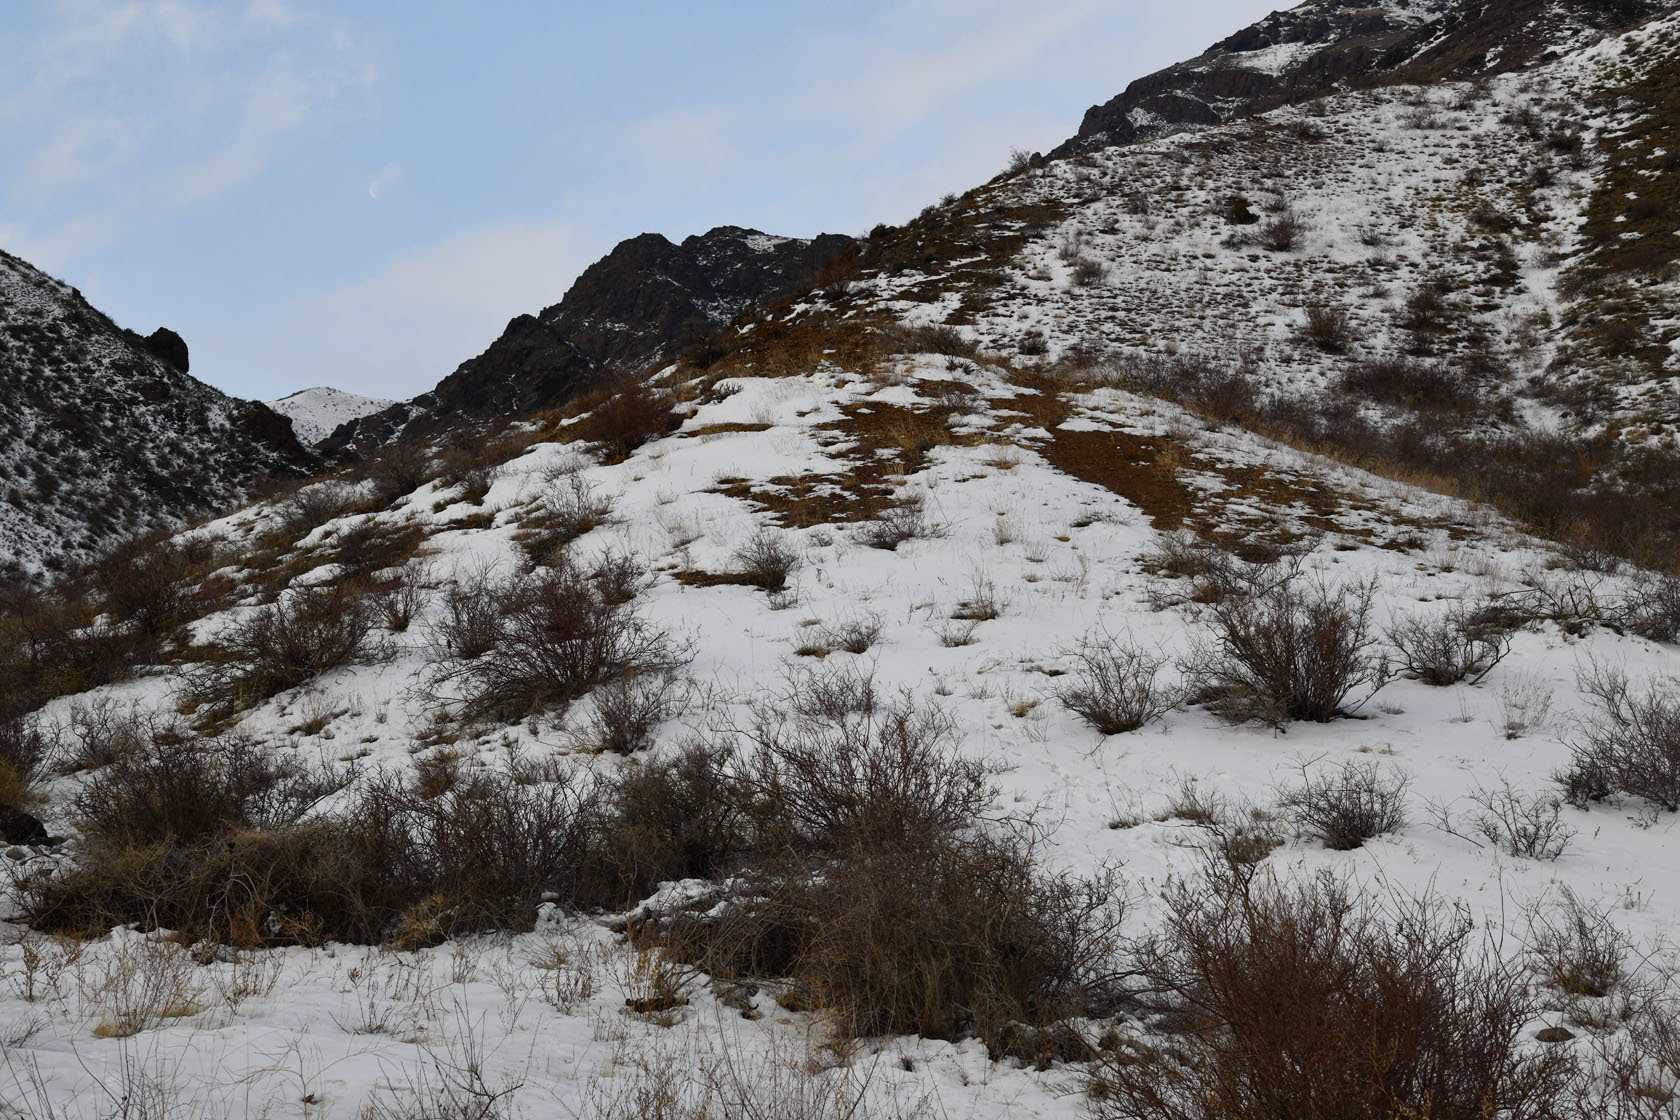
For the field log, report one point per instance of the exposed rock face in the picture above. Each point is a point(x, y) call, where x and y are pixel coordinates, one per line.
point(1324, 44)
point(103, 435)
point(627, 310)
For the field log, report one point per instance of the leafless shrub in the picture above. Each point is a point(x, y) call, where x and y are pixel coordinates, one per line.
point(372, 545)
point(283, 645)
point(24, 750)
point(1462, 644)
point(982, 604)
point(1651, 610)
point(1632, 745)
point(140, 984)
point(1114, 687)
point(955, 633)
point(1524, 704)
point(629, 707)
point(1283, 233)
point(1345, 805)
point(1088, 273)
point(1576, 948)
point(401, 600)
point(619, 577)
point(852, 635)
point(1293, 651)
point(1328, 328)
point(543, 640)
point(765, 560)
point(149, 587)
point(1526, 825)
point(316, 504)
point(1309, 1002)
point(906, 519)
point(832, 693)
point(671, 818)
point(469, 623)
point(882, 896)
point(567, 509)
point(398, 470)
point(621, 415)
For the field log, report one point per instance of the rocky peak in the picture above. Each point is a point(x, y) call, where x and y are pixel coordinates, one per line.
point(626, 311)
point(1323, 45)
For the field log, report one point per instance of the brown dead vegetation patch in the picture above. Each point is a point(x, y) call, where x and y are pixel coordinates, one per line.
point(1141, 470)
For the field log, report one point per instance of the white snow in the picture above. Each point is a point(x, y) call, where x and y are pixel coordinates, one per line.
point(315, 413)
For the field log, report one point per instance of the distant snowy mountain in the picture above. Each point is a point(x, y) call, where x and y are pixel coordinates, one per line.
point(103, 435)
point(316, 412)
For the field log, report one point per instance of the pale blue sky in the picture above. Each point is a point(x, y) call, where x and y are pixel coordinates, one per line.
point(362, 193)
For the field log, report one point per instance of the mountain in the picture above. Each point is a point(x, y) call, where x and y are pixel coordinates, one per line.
point(1233, 571)
point(316, 413)
point(628, 310)
point(1323, 45)
point(105, 435)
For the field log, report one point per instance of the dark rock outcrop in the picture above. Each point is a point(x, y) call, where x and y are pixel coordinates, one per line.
point(19, 827)
point(628, 310)
point(1323, 45)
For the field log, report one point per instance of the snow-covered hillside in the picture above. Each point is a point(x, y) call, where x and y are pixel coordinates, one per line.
point(315, 413)
point(1032, 526)
point(942, 535)
point(102, 439)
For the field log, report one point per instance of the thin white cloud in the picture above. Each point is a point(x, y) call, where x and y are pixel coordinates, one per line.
point(397, 333)
point(125, 113)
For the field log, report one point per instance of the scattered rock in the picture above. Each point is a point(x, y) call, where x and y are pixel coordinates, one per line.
point(19, 827)
point(1555, 1034)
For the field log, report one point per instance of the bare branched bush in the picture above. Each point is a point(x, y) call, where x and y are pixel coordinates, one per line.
point(621, 415)
point(1652, 610)
point(283, 645)
point(628, 708)
point(1283, 233)
point(398, 470)
point(1347, 804)
point(906, 519)
point(1114, 687)
point(539, 641)
point(1631, 744)
point(220, 839)
point(1330, 329)
point(1524, 703)
point(1526, 825)
point(1576, 948)
point(1310, 1002)
point(24, 750)
point(673, 818)
point(315, 505)
point(877, 890)
point(469, 619)
point(1293, 651)
point(765, 560)
point(1461, 644)
point(567, 509)
point(401, 600)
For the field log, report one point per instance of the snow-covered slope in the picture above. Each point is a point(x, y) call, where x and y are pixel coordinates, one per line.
point(101, 438)
point(316, 412)
point(1050, 517)
point(953, 455)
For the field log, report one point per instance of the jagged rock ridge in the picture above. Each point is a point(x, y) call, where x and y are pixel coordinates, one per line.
point(103, 435)
point(627, 310)
point(1322, 45)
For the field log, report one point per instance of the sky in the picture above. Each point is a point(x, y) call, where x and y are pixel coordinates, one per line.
point(362, 193)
